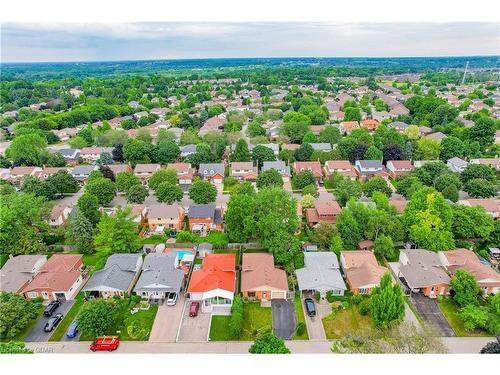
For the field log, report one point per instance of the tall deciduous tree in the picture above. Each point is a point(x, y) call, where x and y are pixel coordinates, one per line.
point(202, 192)
point(88, 205)
point(169, 193)
point(97, 317)
point(17, 313)
point(103, 188)
point(466, 288)
point(388, 304)
point(269, 344)
point(241, 152)
point(137, 194)
point(269, 178)
point(118, 233)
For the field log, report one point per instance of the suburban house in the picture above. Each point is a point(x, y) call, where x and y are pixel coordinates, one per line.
point(438, 136)
point(371, 168)
point(362, 271)
point(321, 274)
point(188, 150)
point(491, 205)
point(214, 284)
point(119, 168)
point(323, 147)
point(399, 205)
point(82, 172)
point(60, 278)
point(370, 124)
point(487, 278)
point(398, 126)
point(116, 278)
point(213, 172)
point(145, 171)
point(50, 171)
point(273, 146)
point(457, 165)
point(260, 279)
point(324, 211)
point(280, 166)
point(184, 171)
point(92, 154)
point(59, 215)
point(70, 155)
point(159, 277)
point(342, 167)
point(18, 271)
point(204, 217)
point(346, 127)
point(399, 167)
point(312, 166)
point(422, 271)
point(17, 173)
point(491, 162)
point(165, 216)
point(244, 171)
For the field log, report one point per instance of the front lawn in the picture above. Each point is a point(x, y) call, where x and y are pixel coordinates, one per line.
point(20, 337)
point(128, 326)
point(257, 320)
point(62, 328)
point(450, 310)
point(299, 311)
point(345, 321)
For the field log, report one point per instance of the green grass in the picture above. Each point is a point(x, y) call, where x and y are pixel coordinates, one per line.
point(144, 318)
point(219, 328)
point(95, 261)
point(3, 259)
point(21, 335)
point(62, 328)
point(299, 311)
point(450, 310)
point(342, 322)
point(256, 320)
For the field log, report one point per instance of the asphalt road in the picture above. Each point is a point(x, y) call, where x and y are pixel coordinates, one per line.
point(284, 318)
point(37, 334)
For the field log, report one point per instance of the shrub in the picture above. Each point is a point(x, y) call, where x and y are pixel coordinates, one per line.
point(357, 299)
point(365, 307)
point(317, 296)
point(236, 319)
point(301, 328)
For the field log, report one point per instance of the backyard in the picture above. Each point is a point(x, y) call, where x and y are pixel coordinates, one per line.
point(343, 321)
point(256, 320)
point(450, 311)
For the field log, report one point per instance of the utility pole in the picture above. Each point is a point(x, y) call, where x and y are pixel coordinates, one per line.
point(465, 72)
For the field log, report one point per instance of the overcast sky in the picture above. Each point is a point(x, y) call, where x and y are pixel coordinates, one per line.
point(135, 41)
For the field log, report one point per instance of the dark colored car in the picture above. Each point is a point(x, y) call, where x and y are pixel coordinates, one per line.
point(53, 322)
point(72, 331)
point(51, 308)
point(194, 308)
point(310, 307)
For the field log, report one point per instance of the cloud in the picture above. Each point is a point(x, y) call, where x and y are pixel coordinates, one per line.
point(123, 41)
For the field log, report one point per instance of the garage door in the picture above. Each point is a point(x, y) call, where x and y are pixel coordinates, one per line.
point(61, 297)
point(278, 295)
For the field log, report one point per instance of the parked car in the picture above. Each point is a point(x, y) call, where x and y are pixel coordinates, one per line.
point(72, 331)
point(105, 343)
point(171, 299)
point(310, 307)
point(51, 308)
point(194, 308)
point(53, 322)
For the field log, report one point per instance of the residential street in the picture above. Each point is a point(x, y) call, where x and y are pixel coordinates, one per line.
point(37, 334)
point(454, 345)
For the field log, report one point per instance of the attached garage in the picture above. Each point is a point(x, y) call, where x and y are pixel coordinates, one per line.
point(278, 294)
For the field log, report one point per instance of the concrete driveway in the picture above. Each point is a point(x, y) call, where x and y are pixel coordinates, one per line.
point(315, 325)
point(167, 321)
point(37, 334)
point(284, 318)
point(194, 329)
point(429, 310)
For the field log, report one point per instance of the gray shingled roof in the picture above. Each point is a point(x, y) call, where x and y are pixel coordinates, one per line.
point(279, 165)
point(159, 273)
point(211, 169)
point(321, 272)
point(202, 210)
point(118, 273)
point(424, 269)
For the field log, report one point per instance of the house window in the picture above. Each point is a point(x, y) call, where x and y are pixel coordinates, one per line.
point(251, 294)
point(336, 292)
point(363, 290)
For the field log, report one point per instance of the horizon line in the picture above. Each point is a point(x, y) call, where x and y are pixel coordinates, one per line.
point(248, 58)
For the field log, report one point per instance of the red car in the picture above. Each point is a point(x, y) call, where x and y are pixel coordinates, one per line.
point(194, 308)
point(105, 343)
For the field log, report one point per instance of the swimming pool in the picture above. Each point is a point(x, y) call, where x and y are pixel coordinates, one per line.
point(181, 253)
